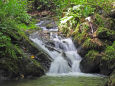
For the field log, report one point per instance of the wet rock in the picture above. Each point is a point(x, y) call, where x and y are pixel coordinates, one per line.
point(42, 57)
point(49, 26)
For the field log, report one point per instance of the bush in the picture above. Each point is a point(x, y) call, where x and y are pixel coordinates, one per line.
point(12, 13)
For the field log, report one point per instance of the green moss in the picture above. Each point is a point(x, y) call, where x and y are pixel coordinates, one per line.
point(112, 79)
point(108, 59)
point(80, 37)
point(109, 23)
point(90, 44)
point(48, 26)
point(104, 22)
point(110, 52)
point(113, 44)
point(92, 54)
point(104, 33)
point(9, 65)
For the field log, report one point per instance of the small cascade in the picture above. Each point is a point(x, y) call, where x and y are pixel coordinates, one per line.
point(67, 60)
point(59, 65)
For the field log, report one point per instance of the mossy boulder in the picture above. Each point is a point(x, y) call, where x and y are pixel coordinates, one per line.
point(106, 22)
point(112, 79)
point(49, 26)
point(41, 56)
point(110, 23)
point(98, 61)
point(104, 33)
point(95, 44)
point(27, 61)
point(107, 64)
point(91, 61)
point(19, 68)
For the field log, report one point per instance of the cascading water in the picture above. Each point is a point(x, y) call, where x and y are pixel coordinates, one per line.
point(69, 60)
point(65, 61)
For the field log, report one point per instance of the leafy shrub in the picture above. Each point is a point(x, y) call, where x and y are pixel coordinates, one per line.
point(12, 13)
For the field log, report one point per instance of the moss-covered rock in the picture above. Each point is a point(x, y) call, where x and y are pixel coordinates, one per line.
point(28, 60)
point(112, 79)
point(107, 64)
point(91, 61)
point(49, 26)
point(106, 22)
point(103, 62)
point(15, 68)
point(104, 33)
point(92, 44)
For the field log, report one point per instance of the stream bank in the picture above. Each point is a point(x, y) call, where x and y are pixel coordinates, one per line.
point(94, 37)
point(30, 61)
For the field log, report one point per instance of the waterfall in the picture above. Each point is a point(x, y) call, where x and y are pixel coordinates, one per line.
point(70, 61)
point(65, 61)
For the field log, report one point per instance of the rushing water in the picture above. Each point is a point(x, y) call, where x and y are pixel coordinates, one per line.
point(65, 61)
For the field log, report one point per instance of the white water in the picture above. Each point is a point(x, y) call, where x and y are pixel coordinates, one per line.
point(65, 63)
point(60, 63)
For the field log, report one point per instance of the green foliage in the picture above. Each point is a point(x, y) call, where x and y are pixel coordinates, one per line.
point(110, 52)
point(99, 20)
point(88, 44)
point(92, 54)
point(12, 14)
point(58, 6)
point(80, 34)
point(42, 4)
point(113, 44)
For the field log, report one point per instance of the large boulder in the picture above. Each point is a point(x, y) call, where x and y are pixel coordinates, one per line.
point(19, 68)
point(107, 63)
point(91, 61)
point(104, 33)
point(29, 61)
